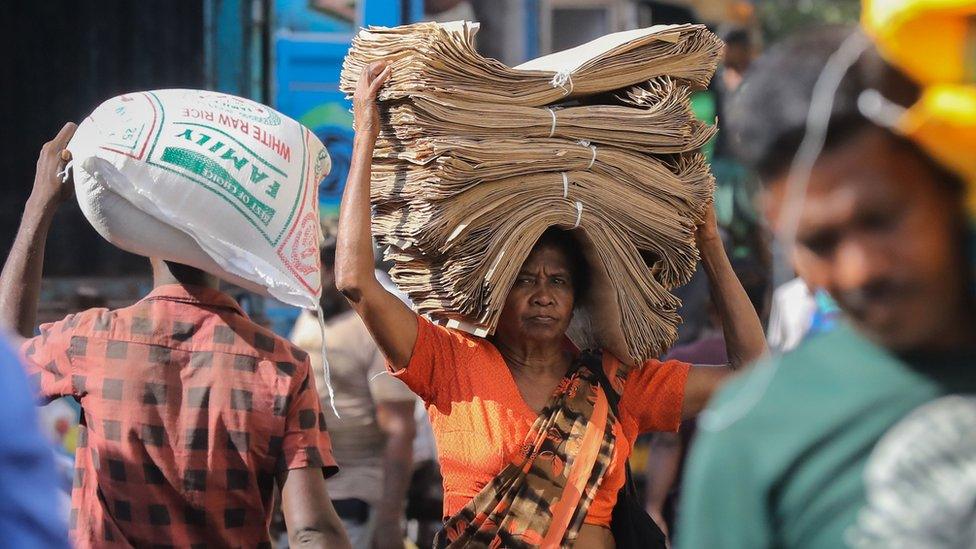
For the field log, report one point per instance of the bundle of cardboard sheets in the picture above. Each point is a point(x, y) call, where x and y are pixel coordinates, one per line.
point(476, 160)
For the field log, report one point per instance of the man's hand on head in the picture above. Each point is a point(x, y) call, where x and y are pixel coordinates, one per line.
point(50, 187)
point(20, 281)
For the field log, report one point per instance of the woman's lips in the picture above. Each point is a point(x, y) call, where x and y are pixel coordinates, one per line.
point(542, 319)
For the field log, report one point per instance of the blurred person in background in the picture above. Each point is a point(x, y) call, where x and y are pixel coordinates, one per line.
point(737, 187)
point(425, 497)
point(191, 413)
point(864, 436)
point(372, 438)
point(738, 55)
point(667, 451)
point(31, 514)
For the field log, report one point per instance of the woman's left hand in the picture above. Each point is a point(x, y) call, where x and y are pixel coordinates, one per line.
point(366, 114)
point(707, 230)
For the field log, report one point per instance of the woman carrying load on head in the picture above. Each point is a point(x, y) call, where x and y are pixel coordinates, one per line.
point(531, 452)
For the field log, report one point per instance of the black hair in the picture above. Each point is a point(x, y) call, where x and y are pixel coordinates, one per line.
point(736, 36)
point(186, 274)
point(579, 267)
point(767, 116)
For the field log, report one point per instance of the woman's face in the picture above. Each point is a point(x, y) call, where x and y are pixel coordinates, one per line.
point(540, 303)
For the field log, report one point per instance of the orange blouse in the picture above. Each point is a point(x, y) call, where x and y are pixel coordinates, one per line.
point(480, 419)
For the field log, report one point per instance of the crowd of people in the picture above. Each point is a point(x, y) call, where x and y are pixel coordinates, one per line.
point(849, 421)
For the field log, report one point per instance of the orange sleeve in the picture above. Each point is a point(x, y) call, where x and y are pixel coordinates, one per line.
point(653, 395)
point(437, 362)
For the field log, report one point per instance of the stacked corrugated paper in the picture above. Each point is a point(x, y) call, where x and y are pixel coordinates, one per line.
point(476, 160)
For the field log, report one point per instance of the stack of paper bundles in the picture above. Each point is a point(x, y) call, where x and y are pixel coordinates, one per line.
point(476, 160)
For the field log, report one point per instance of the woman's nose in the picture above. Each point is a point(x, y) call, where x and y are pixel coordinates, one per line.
point(542, 297)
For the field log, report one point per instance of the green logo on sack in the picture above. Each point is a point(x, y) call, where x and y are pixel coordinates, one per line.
point(227, 167)
point(211, 171)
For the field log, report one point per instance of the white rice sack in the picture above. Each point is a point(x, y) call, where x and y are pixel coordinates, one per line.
point(206, 179)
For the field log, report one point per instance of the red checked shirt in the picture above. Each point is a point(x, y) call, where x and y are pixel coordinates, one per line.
point(188, 411)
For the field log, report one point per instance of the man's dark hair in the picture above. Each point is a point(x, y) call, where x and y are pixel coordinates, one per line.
point(767, 116)
point(579, 267)
point(186, 274)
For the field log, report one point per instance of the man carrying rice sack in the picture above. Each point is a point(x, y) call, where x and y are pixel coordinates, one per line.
point(532, 435)
point(191, 413)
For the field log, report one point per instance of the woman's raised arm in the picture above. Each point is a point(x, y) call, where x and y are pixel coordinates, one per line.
point(744, 339)
point(392, 324)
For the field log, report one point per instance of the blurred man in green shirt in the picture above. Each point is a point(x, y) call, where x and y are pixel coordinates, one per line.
point(864, 436)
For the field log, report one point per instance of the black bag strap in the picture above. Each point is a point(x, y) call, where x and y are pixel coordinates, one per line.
point(593, 360)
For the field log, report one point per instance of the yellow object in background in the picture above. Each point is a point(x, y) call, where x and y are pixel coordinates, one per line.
point(934, 43)
point(943, 122)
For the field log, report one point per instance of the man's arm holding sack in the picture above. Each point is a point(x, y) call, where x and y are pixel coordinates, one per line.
point(20, 283)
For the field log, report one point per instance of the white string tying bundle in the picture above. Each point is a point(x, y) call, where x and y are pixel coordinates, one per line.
point(563, 79)
point(579, 205)
point(325, 361)
point(552, 130)
point(585, 143)
point(592, 148)
point(64, 174)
